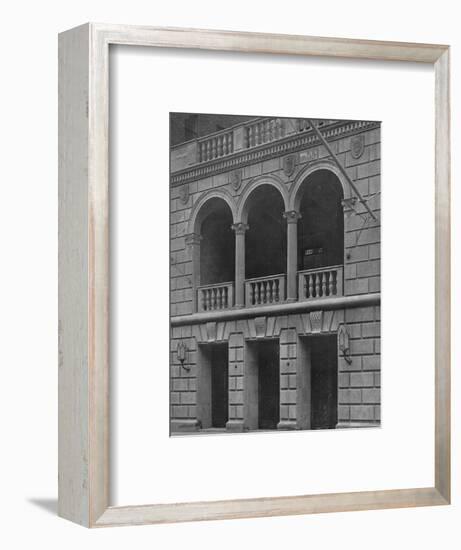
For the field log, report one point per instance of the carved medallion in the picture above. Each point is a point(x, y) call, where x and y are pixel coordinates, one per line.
point(289, 165)
point(184, 193)
point(235, 179)
point(357, 146)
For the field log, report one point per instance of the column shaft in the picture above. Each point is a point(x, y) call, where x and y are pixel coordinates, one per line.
point(240, 229)
point(292, 218)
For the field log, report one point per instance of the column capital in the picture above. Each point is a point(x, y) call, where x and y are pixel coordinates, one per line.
point(193, 239)
point(292, 216)
point(240, 228)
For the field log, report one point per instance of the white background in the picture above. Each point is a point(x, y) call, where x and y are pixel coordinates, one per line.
point(151, 467)
point(29, 248)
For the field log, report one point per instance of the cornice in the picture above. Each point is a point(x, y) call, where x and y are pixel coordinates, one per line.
point(289, 144)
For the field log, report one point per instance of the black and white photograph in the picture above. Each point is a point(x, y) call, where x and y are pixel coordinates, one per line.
point(275, 248)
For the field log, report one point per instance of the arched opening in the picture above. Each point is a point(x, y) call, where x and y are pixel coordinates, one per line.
point(321, 227)
point(217, 248)
point(265, 250)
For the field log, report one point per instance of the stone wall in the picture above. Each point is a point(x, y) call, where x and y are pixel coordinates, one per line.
point(359, 381)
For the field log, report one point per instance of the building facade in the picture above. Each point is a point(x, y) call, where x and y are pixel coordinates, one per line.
point(275, 276)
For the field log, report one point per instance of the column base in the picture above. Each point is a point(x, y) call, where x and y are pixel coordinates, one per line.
point(237, 426)
point(184, 426)
point(345, 424)
point(287, 425)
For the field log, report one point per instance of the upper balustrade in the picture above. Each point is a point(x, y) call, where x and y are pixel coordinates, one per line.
point(242, 137)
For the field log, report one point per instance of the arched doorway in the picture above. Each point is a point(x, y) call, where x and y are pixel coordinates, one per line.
point(217, 249)
point(265, 247)
point(216, 259)
point(321, 227)
point(320, 235)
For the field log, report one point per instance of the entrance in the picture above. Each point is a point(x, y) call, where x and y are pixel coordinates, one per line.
point(268, 384)
point(324, 382)
point(212, 385)
point(219, 385)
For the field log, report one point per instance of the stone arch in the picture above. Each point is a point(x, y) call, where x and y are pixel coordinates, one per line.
point(199, 209)
point(296, 189)
point(245, 198)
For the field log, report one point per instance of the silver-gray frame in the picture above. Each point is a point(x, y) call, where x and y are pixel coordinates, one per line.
point(84, 484)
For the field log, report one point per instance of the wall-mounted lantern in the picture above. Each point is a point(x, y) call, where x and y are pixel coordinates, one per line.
point(182, 352)
point(343, 343)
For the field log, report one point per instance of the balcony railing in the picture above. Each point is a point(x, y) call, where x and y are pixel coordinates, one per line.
point(320, 283)
point(263, 131)
point(215, 297)
point(265, 290)
point(251, 134)
point(215, 146)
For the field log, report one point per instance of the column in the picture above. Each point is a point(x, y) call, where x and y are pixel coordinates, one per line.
point(193, 243)
point(292, 218)
point(239, 229)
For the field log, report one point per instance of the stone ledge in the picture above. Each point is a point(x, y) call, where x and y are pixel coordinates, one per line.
point(278, 309)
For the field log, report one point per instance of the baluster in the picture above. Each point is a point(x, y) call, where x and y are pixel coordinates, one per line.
point(256, 129)
point(323, 278)
point(251, 298)
point(335, 281)
point(331, 289)
point(266, 292)
point(311, 286)
point(219, 293)
point(208, 150)
point(213, 148)
point(305, 287)
point(271, 291)
point(317, 285)
point(231, 141)
point(226, 144)
point(277, 290)
point(208, 299)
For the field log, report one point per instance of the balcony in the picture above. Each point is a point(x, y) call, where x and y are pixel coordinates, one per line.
point(265, 290)
point(215, 297)
point(325, 282)
point(247, 136)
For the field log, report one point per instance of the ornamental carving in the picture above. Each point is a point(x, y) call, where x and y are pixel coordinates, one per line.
point(240, 228)
point(184, 193)
point(235, 179)
point(289, 165)
point(316, 318)
point(292, 216)
point(357, 146)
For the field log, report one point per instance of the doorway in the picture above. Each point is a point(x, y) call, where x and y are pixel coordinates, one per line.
point(324, 382)
point(213, 385)
point(268, 384)
point(219, 385)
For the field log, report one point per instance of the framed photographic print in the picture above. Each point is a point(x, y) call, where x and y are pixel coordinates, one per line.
point(254, 275)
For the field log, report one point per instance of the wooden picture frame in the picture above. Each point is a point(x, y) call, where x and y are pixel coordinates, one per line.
point(84, 483)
